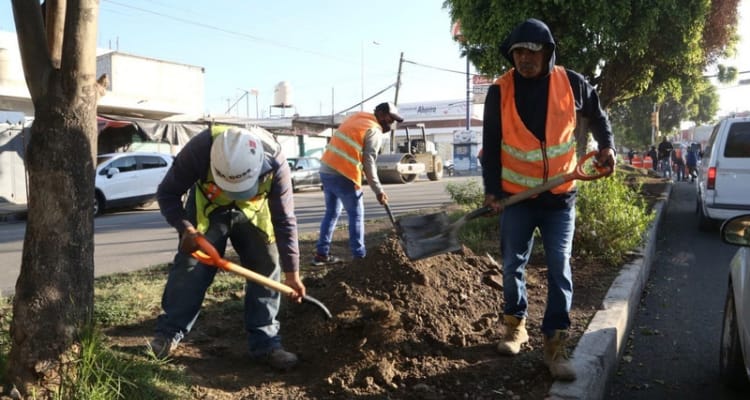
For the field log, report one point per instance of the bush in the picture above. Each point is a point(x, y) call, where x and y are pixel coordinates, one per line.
point(480, 234)
point(470, 193)
point(611, 218)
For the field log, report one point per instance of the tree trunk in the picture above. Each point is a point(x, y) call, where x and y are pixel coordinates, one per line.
point(54, 292)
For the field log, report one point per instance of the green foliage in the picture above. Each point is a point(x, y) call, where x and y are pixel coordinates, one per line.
point(470, 194)
point(100, 373)
point(479, 234)
point(611, 219)
point(6, 316)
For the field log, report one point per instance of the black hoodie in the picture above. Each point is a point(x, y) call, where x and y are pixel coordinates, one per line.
point(531, 102)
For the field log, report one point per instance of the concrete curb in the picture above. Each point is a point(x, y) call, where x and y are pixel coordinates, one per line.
point(598, 351)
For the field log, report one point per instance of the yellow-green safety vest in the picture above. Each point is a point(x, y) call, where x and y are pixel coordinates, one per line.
point(209, 197)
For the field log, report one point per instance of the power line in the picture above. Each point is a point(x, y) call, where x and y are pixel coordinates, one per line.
point(227, 31)
point(438, 68)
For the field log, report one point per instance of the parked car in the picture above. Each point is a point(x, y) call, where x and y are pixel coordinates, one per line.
point(128, 179)
point(305, 172)
point(734, 358)
point(723, 187)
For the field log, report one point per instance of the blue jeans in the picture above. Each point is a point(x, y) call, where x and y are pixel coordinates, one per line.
point(188, 281)
point(517, 225)
point(340, 192)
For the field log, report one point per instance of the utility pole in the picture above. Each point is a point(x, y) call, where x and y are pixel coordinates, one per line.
point(468, 91)
point(398, 78)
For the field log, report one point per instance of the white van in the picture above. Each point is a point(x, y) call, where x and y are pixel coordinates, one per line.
point(724, 179)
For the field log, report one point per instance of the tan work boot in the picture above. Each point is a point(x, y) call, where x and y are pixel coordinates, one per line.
point(515, 335)
point(556, 357)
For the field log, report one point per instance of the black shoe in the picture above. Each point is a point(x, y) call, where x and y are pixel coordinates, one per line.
point(279, 359)
point(320, 260)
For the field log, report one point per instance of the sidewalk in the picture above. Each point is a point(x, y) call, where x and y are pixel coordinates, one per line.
point(12, 212)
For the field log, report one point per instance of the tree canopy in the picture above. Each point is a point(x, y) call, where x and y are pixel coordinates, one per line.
point(626, 48)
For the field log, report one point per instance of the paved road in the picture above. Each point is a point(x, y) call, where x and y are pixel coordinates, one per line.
point(673, 352)
point(128, 241)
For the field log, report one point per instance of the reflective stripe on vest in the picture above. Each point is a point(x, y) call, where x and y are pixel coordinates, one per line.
point(526, 161)
point(209, 197)
point(344, 151)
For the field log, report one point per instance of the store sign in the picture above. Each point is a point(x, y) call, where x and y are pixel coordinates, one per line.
point(482, 80)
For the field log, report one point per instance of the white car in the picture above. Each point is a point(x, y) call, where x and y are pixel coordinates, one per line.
point(128, 179)
point(724, 177)
point(734, 358)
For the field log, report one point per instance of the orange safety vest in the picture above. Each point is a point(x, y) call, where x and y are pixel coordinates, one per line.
point(527, 162)
point(344, 151)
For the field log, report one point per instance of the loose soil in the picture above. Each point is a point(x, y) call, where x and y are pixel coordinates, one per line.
point(401, 329)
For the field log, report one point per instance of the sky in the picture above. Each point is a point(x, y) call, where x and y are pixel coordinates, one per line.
point(327, 50)
point(318, 47)
point(733, 97)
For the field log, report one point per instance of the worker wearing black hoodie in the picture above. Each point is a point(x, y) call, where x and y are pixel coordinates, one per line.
point(528, 138)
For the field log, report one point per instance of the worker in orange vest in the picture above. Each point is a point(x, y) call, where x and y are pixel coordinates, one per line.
point(528, 134)
point(353, 150)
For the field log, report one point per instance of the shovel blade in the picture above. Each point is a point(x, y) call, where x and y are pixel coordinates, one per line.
point(428, 235)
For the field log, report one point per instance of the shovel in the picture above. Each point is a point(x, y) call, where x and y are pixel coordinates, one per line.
point(429, 235)
point(209, 256)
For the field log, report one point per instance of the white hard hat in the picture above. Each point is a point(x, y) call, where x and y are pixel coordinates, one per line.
point(236, 160)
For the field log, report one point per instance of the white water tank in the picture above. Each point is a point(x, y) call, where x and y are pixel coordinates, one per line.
point(282, 95)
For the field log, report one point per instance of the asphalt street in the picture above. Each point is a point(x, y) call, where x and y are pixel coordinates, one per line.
point(673, 347)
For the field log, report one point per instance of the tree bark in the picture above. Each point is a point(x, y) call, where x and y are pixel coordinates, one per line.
point(53, 299)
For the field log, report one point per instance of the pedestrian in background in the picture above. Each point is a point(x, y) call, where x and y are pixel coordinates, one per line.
point(691, 161)
point(529, 123)
point(654, 158)
point(353, 149)
point(240, 189)
point(678, 160)
point(665, 157)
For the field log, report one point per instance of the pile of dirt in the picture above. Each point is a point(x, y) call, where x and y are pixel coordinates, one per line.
point(401, 329)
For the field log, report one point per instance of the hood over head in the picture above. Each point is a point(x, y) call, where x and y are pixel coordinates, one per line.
point(526, 34)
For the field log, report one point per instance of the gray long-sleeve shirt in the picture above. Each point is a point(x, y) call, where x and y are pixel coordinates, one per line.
point(192, 164)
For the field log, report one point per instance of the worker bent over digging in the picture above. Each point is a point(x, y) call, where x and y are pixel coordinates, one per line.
point(239, 188)
point(528, 139)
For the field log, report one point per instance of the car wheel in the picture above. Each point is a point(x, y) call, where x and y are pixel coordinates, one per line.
point(98, 204)
point(731, 364)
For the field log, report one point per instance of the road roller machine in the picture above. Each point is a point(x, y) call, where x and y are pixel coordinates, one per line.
point(408, 158)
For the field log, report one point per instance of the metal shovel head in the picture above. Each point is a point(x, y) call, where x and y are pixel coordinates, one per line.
point(428, 235)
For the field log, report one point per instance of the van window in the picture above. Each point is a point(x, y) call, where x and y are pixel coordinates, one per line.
point(738, 141)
